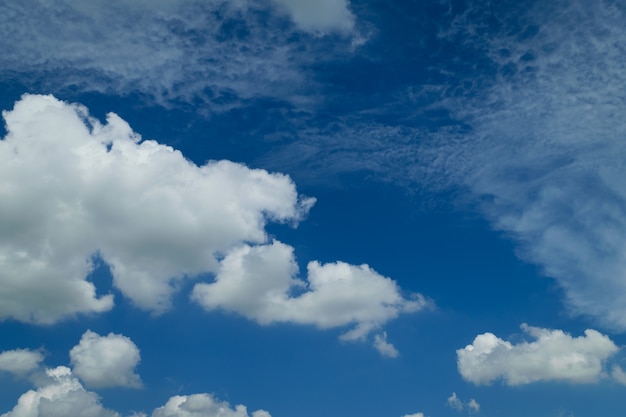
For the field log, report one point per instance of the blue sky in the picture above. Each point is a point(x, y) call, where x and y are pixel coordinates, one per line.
point(289, 208)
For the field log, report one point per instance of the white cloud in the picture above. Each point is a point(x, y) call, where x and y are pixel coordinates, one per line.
point(618, 374)
point(60, 396)
point(320, 15)
point(414, 415)
point(73, 188)
point(203, 405)
point(385, 348)
point(552, 356)
point(106, 361)
point(260, 283)
point(216, 52)
point(473, 405)
point(544, 146)
point(20, 361)
point(455, 403)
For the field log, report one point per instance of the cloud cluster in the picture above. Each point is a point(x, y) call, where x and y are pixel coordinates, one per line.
point(98, 362)
point(552, 356)
point(73, 188)
point(60, 395)
point(106, 361)
point(260, 283)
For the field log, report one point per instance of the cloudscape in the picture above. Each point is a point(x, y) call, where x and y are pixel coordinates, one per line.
point(294, 208)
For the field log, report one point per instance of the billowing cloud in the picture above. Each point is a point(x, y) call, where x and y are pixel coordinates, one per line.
point(106, 361)
point(552, 356)
point(203, 405)
point(260, 283)
point(320, 15)
point(414, 415)
point(61, 395)
point(20, 361)
point(73, 188)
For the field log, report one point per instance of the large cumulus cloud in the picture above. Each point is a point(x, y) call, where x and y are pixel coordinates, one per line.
point(73, 188)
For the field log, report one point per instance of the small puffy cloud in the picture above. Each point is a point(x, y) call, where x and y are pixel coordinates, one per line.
point(414, 415)
point(106, 361)
point(455, 403)
point(383, 347)
point(20, 361)
point(320, 15)
point(259, 282)
point(203, 405)
point(473, 405)
point(552, 356)
point(72, 188)
point(61, 395)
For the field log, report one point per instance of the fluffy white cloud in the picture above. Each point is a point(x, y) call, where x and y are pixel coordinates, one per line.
point(553, 355)
point(320, 15)
point(106, 361)
point(20, 361)
point(203, 405)
point(72, 188)
point(61, 395)
point(259, 282)
point(414, 415)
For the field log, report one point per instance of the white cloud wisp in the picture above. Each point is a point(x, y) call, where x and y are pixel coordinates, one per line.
point(320, 16)
point(552, 356)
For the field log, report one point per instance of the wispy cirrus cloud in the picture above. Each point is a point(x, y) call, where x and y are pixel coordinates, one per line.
point(544, 151)
point(215, 53)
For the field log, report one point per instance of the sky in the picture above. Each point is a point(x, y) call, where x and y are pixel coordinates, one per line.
point(295, 208)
